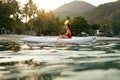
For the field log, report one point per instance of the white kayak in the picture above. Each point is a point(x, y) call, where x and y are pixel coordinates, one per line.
point(53, 39)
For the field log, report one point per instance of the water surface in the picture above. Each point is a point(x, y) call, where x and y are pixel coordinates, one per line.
point(98, 61)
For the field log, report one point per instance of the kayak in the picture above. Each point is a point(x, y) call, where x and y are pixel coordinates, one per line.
point(54, 39)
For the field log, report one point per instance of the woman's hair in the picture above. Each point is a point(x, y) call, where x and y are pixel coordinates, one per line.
point(69, 27)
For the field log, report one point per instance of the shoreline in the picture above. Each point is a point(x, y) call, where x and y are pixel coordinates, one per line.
point(16, 38)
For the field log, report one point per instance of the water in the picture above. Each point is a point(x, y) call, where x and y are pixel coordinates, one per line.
point(98, 61)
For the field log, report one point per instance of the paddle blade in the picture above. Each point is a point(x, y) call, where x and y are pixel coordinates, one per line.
point(66, 22)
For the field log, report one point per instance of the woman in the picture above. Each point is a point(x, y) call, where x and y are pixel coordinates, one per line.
point(68, 33)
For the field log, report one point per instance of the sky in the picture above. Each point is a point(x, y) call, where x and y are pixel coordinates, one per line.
point(53, 4)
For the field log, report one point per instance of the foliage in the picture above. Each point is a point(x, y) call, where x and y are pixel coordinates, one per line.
point(104, 13)
point(79, 24)
point(116, 29)
point(46, 23)
point(93, 28)
point(29, 11)
point(115, 17)
point(5, 12)
point(9, 16)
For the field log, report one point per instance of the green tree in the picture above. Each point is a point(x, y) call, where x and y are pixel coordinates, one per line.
point(46, 23)
point(32, 9)
point(5, 12)
point(29, 10)
point(116, 29)
point(106, 30)
point(93, 28)
point(79, 24)
point(17, 26)
point(10, 16)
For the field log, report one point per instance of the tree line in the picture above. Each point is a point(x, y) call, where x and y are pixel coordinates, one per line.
point(28, 19)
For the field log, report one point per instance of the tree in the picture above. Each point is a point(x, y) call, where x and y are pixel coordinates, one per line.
point(79, 24)
point(106, 30)
point(17, 26)
point(29, 11)
point(116, 29)
point(10, 16)
point(93, 28)
point(46, 23)
point(5, 12)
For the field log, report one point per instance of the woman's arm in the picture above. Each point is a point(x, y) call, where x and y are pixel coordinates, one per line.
point(67, 32)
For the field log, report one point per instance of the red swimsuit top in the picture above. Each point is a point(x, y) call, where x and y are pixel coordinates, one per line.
point(69, 35)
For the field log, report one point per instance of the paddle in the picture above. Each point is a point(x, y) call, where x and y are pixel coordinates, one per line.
point(65, 23)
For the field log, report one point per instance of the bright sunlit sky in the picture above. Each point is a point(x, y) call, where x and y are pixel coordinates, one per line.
point(53, 4)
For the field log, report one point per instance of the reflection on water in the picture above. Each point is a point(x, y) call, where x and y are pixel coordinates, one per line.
point(9, 46)
point(98, 61)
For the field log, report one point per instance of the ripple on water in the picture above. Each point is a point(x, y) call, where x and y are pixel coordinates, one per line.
point(100, 61)
point(110, 74)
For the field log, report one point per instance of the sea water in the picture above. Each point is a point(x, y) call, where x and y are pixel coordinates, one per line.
point(97, 61)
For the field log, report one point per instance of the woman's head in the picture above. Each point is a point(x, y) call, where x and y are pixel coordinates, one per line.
point(67, 27)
